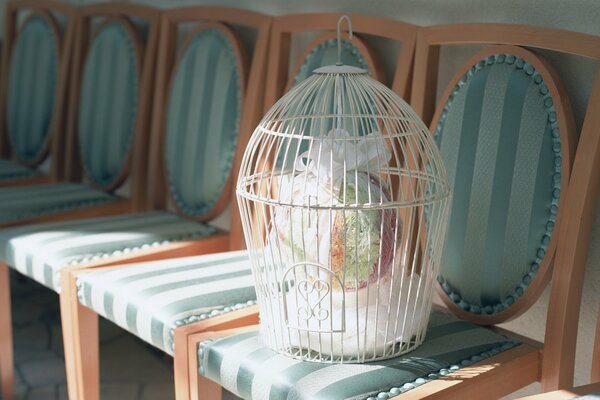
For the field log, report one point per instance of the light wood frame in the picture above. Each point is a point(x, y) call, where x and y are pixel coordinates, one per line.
point(80, 324)
point(555, 368)
point(64, 39)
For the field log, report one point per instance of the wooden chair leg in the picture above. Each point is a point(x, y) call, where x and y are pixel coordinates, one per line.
point(206, 389)
point(186, 356)
point(182, 365)
point(81, 343)
point(6, 342)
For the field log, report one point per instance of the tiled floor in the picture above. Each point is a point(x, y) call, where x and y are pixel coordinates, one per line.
point(130, 369)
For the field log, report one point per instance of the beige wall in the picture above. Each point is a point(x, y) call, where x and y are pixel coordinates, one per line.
point(576, 15)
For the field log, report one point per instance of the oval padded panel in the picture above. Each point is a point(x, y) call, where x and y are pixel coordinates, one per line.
point(32, 89)
point(325, 53)
point(108, 104)
point(500, 140)
point(203, 119)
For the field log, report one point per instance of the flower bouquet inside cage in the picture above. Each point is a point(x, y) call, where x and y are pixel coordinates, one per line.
point(337, 250)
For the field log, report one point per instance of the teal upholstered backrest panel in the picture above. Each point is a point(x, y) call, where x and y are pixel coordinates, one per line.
point(32, 88)
point(108, 104)
point(203, 119)
point(500, 140)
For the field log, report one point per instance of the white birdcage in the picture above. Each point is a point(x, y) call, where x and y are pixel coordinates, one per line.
point(344, 201)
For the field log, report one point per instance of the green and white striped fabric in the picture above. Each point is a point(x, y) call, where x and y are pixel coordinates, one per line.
point(203, 121)
point(18, 203)
point(108, 104)
point(12, 170)
point(151, 299)
point(41, 251)
point(500, 141)
point(31, 88)
point(250, 370)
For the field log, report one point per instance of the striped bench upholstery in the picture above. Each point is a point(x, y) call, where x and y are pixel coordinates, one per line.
point(244, 366)
point(11, 170)
point(41, 251)
point(151, 299)
point(18, 203)
point(33, 201)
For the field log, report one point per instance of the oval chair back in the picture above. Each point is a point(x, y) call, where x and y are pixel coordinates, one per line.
point(207, 100)
point(114, 61)
point(36, 57)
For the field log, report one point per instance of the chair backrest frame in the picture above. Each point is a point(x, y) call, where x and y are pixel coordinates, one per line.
point(55, 142)
point(573, 230)
point(157, 188)
point(135, 167)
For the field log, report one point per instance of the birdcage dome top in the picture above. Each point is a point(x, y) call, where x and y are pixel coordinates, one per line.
point(341, 131)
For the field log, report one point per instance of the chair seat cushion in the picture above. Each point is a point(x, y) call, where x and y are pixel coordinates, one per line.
point(249, 369)
point(151, 299)
point(22, 202)
point(12, 170)
point(41, 251)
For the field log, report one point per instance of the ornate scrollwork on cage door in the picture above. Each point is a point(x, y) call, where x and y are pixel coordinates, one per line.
point(310, 294)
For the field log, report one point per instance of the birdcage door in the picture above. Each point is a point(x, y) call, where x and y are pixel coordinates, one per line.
point(310, 304)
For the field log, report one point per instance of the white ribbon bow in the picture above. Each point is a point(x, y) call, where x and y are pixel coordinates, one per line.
point(331, 156)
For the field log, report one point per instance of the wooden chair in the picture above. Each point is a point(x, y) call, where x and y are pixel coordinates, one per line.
point(101, 24)
point(33, 84)
point(84, 289)
point(556, 364)
point(461, 359)
point(207, 71)
point(107, 158)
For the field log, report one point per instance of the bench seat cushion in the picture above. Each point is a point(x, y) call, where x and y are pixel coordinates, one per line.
point(250, 370)
point(151, 299)
point(40, 251)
